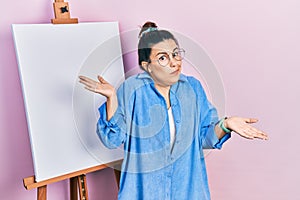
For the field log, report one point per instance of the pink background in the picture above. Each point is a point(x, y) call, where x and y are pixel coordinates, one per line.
point(255, 46)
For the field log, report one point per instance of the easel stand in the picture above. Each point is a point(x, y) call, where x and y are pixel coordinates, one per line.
point(62, 13)
point(78, 183)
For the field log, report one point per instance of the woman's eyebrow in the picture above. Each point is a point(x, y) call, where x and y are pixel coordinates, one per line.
point(164, 52)
point(161, 52)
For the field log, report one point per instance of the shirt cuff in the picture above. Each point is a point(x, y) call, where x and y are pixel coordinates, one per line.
point(103, 117)
point(215, 142)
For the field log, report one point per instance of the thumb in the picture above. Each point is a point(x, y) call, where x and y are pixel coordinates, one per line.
point(101, 79)
point(251, 120)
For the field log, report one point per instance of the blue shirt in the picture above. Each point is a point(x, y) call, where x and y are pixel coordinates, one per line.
point(150, 170)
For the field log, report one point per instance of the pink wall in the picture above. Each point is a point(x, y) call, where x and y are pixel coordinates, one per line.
point(254, 46)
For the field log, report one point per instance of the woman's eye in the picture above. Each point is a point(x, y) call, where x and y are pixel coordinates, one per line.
point(175, 54)
point(162, 58)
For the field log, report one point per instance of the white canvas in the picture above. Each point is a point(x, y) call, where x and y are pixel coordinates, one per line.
point(61, 114)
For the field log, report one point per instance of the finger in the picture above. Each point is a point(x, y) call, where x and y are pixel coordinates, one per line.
point(86, 79)
point(101, 79)
point(82, 77)
point(257, 133)
point(263, 136)
point(251, 120)
point(249, 135)
point(91, 89)
point(253, 129)
point(245, 134)
point(88, 84)
point(84, 82)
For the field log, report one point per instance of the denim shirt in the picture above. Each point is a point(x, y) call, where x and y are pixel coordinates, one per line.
point(150, 170)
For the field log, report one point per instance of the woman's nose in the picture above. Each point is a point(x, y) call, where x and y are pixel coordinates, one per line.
point(173, 62)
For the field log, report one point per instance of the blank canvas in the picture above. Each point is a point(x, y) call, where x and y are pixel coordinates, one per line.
point(61, 114)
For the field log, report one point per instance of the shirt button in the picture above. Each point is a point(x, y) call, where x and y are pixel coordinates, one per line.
point(177, 121)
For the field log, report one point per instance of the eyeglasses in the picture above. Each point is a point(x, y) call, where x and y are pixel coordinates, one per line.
point(165, 59)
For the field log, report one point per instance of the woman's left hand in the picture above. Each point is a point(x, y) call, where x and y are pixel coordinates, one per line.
point(242, 127)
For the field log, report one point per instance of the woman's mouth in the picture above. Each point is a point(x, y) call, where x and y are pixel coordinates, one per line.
point(175, 72)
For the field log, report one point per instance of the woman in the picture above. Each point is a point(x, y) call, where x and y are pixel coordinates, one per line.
point(164, 120)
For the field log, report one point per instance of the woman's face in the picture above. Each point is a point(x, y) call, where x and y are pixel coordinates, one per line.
point(160, 54)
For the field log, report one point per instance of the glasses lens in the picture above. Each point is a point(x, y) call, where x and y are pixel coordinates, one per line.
point(179, 54)
point(164, 60)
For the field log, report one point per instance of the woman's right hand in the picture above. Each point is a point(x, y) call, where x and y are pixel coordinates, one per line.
point(104, 88)
point(101, 86)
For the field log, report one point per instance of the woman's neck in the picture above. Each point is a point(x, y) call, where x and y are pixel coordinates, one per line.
point(165, 92)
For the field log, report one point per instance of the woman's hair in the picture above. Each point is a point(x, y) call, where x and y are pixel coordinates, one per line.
point(149, 36)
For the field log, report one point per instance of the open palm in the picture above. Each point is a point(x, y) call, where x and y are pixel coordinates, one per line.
point(101, 86)
point(243, 127)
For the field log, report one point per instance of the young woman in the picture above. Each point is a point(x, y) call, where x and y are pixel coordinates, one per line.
point(164, 120)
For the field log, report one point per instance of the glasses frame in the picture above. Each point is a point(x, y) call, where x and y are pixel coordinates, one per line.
point(173, 56)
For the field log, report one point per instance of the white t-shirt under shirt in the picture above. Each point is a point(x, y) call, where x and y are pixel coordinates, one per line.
point(172, 127)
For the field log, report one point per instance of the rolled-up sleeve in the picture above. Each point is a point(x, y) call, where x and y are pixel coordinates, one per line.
point(208, 120)
point(210, 139)
point(112, 133)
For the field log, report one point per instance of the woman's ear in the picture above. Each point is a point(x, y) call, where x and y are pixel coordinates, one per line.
point(145, 65)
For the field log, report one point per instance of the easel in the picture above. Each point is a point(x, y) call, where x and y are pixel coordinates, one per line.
point(77, 181)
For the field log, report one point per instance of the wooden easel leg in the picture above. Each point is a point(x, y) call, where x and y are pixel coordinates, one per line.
point(73, 189)
point(78, 183)
point(42, 192)
point(117, 169)
point(117, 175)
point(83, 193)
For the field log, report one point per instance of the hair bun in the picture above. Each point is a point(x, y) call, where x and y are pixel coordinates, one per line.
point(146, 26)
point(149, 24)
